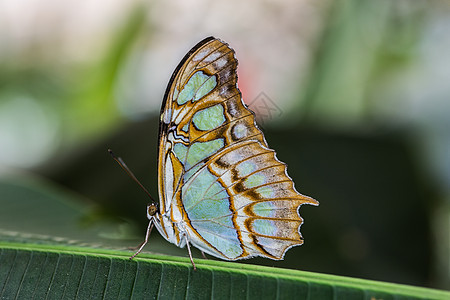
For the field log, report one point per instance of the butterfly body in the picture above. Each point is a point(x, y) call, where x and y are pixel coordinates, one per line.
point(221, 188)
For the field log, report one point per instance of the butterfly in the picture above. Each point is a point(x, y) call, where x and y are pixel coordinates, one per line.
point(221, 188)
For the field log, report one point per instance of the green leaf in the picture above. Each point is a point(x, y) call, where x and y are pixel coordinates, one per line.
point(55, 272)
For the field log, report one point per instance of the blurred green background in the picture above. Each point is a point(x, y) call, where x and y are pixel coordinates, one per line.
point(353, 95)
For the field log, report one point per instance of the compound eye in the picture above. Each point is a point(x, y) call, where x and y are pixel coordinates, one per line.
point(151, 210)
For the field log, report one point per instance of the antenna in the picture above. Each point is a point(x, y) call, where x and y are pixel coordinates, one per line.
point(128, 171)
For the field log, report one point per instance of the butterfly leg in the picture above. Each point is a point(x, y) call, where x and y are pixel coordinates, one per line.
point(204, 255)
point(189, 251)
point(147, 235)
point(136, 247)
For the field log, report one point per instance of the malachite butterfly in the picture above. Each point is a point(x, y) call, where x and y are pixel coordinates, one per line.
point(221, 187)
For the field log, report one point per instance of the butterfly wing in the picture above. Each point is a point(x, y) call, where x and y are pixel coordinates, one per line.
point(220, 183)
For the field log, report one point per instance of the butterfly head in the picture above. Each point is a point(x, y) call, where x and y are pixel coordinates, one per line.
point(152, 210)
